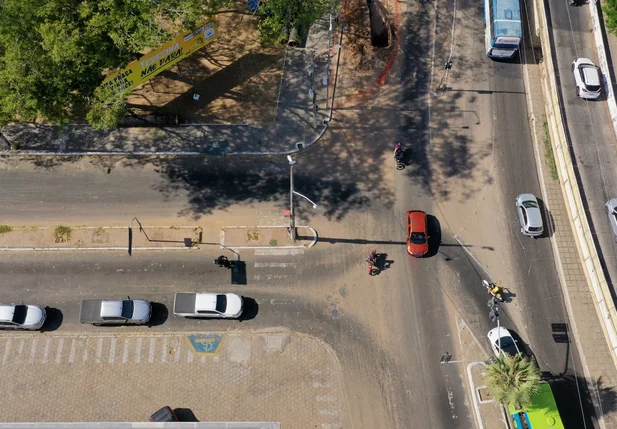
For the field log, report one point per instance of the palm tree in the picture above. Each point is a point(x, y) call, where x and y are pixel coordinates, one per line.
point(513, 380)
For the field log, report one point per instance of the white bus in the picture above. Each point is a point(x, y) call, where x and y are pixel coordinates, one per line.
point(502, 28)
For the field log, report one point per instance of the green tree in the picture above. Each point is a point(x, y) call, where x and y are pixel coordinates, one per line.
point(53, 52)
point(279, 15)
point(513, 380)
point(609, 9)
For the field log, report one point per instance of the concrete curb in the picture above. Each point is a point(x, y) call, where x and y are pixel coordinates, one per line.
point(76, 249)
point(308, 246)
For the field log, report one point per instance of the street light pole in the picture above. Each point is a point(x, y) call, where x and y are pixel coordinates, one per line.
point(292, 221)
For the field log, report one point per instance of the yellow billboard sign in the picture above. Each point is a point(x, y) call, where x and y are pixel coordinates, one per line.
point(162, 58)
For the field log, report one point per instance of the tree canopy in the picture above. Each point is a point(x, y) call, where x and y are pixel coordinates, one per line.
point(53, 52)
point(513, 380)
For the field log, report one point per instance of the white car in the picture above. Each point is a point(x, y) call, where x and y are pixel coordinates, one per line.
point(529, 215)
point(502, 342)
point(587, 77)
point(208, 305)
point(22, 316)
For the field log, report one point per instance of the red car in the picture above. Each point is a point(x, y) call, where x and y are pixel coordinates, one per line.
point(417, 233)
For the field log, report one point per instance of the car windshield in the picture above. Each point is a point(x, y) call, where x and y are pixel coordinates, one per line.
point(19, 316)
point(221, 303)
point(127, 308)
point(418, 238)
point(508, 346)
point(530, 204)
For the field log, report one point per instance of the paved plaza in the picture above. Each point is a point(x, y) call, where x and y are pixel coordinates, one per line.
point(278, 377)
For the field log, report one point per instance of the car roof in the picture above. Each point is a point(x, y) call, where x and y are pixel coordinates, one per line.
point(111, 308)
point(205, 301)
point(590, 74)
point(6, 312)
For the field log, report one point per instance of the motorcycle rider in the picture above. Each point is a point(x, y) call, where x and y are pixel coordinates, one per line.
point(222, 261)
point(398, 152)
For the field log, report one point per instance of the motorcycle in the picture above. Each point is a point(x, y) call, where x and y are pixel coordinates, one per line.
point(373, 269)
point(399, 154)
point(494, 290)
point(222, 261)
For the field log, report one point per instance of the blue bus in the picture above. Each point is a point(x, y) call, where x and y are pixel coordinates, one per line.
point(502, 28)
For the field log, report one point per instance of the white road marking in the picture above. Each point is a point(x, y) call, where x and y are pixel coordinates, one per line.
point(46, 350)
point(319, 385)
point(151, 351)
point(7, 349)
point(270, 276)
point(99, 350)
point(328, 412)
point(72, 353)
point(165, 351)
point(21, 348)
point(59, 350)
point(278, 252)
point(84, 357)
point(125, 353)
point(138, 350)
point(325, 398)
point(33, 350)
point(275, 264)
point(178, 352)
point(190, 356)
point(112, 350)
point(331, 426)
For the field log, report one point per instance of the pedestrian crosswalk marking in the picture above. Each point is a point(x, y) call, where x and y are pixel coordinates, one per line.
point(6, 351)
point(46, 351)
point(138, 350)
point(33, 350)
point(112, 350)
point(73, 348)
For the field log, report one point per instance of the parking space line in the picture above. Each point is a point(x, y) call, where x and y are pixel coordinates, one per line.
point(112, 350)
point(178, 351)
point(125, 353)
point(72, 353)
point(33, 350)
point(138, 350)
point(59, 350)
point(21, 348)
point(46, 350)
point(7, 349)
point(84, 356)
point(164, 351)
point(99, 350)
point(151, 351)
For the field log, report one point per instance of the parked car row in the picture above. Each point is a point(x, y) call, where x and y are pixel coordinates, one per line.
point(127, 311)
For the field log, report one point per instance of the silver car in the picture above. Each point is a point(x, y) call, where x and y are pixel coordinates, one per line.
point(611, 210)
point(22, 316)
point(529, 215)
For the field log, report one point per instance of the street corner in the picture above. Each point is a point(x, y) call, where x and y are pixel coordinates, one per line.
point(490, 414)
point(266, 237)
point(73, 238)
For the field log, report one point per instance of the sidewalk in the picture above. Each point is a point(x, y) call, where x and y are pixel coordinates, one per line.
point(149, 237)
point(298, 120)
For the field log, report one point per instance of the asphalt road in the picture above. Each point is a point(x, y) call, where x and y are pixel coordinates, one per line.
point(388, 331)
point(589, 127)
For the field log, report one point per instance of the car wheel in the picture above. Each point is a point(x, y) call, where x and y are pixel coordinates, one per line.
point(578, 92)
point(572, 67)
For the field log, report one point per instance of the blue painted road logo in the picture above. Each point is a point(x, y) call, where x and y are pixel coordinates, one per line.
point(205, 344)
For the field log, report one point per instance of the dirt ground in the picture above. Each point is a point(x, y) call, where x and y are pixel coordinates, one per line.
point(365, 62)
point(236, 78)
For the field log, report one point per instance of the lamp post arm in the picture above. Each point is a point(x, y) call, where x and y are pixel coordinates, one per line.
point(306, 198)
